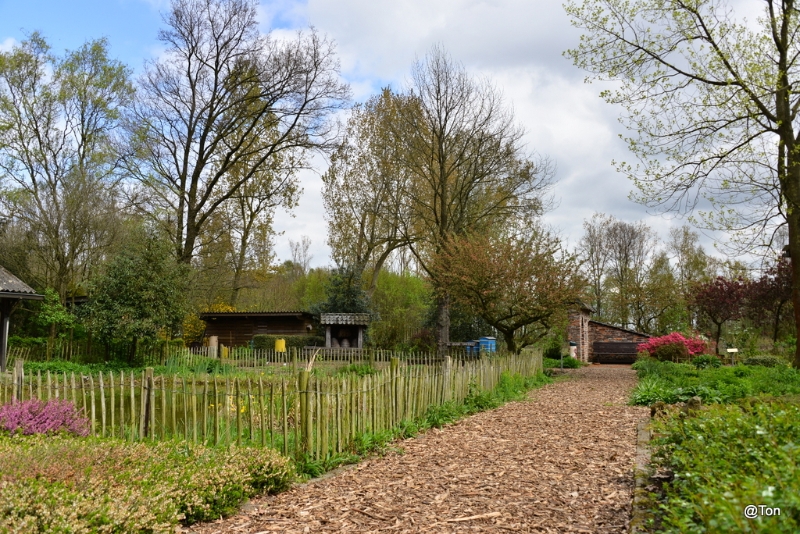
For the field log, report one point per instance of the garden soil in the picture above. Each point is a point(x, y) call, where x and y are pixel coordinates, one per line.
point(561, 461)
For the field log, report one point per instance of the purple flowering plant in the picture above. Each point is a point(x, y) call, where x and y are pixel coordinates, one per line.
point(43, 417)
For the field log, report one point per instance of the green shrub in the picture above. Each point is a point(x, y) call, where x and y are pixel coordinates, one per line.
point(706, 360)
point(671, 352)
point(553, 352)
point(727, 457)
point(59, 484)
point(555, 363)
point(765, 361)
point(267, 341)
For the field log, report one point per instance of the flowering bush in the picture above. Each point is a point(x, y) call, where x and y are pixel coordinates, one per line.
point(39, 417)
point(694, 346)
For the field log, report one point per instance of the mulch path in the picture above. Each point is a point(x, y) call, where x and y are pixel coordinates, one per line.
point(561, 461)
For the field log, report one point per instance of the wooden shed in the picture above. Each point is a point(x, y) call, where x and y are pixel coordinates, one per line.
point(236, 329)
point(600, 342)
point(12, 291)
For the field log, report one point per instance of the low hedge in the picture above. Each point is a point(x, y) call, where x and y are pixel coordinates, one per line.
point(63, 484)
point(267, 341)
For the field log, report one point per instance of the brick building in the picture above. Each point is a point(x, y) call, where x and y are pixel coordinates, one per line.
point(600, 342)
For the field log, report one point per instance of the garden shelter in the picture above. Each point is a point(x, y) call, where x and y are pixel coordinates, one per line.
point(12, 291)
point(344, 330)
point(600, 342)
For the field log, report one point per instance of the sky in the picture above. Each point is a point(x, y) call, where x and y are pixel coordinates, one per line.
point(517, 44)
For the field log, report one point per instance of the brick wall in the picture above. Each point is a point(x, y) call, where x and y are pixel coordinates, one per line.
point(578, 332)
point(606, 333)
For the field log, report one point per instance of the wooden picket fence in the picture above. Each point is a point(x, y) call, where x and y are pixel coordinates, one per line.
point(313, 415)
point(241, 356)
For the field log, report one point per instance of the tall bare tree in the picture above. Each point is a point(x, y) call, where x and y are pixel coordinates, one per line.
point(594, 251)
point(58, 116)
point(226, 97)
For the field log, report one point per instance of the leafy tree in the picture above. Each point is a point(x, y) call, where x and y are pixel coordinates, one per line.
point(344, 293)
point(54, 316)
point(220, 104)
point(520, 286)
point(720, 301)
point(363, 188)
point(710, 100)
point(401, 303)
point(58, 117)
point(141, 292)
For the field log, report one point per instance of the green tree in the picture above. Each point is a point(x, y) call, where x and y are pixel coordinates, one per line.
point(141, 292)
point(521, 286)
point(58, 165)
point(344, 293)
point(711, 103)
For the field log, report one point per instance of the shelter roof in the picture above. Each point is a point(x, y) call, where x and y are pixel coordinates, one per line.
point(13, 287)
point(345, 318)
point(217, 315)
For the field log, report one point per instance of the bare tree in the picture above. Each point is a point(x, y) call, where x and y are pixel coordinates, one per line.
point(225, 97)
point(301, 259)
point(594, 251)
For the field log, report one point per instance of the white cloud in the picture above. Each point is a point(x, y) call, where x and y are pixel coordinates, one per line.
point(7, 44)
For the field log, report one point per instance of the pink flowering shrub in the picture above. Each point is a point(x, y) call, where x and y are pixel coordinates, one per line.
point(694, 346)
point(39, 417)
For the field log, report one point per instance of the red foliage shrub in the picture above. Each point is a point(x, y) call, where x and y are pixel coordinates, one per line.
point(39, 417)
point(695, 346)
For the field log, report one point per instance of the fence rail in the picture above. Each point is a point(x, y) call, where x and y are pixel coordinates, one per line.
point(238, 356)
point(308, 414)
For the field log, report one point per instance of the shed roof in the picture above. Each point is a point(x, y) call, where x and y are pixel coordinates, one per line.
point(620, 328)
point(217, 315)
point(13, 287)
point(344, 318)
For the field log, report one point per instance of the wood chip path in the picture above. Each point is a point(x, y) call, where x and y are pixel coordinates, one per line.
point(561, 461)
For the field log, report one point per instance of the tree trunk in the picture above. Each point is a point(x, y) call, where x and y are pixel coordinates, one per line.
point(132, 354)
point(793, 217)
point(511, 345)
point(719, 334)
point(442, 324)
point(776, 326)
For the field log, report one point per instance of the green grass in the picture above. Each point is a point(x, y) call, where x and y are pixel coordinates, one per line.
point(727, 457)
point(510, 388)
point(676, 382)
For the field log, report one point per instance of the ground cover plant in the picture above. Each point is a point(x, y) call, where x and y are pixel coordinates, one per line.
point(66, 484)
point(726, 457)
point(670, 382)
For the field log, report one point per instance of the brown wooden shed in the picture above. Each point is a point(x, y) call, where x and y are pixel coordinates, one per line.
point(600, 342)
point(236, 329)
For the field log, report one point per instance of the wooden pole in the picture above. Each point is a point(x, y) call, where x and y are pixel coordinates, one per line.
point(302, 390)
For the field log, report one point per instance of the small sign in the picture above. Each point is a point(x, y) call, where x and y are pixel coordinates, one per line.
point(733, 350)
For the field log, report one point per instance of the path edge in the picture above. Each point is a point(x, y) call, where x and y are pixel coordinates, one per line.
point(641, 513)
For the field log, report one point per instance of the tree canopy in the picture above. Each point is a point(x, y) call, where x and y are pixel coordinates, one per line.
point(710, 103)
